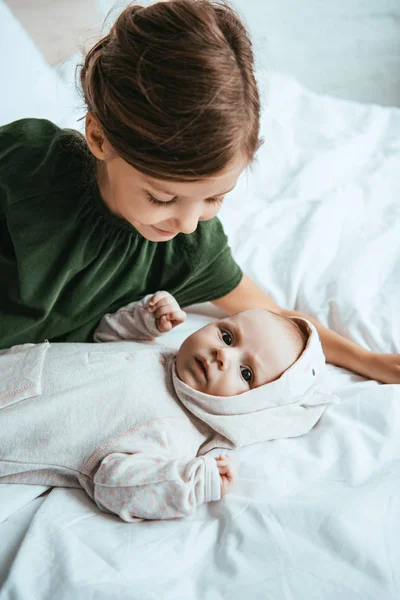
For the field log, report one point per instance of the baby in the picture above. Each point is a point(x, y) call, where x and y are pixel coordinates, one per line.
point(227, 357)
point(133, 424)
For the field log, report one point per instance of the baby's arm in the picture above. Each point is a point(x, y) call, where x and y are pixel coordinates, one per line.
point(152, 316)
point(151, 486)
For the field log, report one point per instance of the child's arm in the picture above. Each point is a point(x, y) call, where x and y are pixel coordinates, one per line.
point(144, 320)
point(151, 486)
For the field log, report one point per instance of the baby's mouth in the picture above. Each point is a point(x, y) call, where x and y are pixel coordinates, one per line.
point(201, 365)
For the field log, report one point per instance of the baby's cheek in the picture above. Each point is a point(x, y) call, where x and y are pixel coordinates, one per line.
point(234, 385)
point(178, 362)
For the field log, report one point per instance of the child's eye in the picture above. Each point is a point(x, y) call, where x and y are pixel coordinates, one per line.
point(218, 200)
point(246, 374)
point(153, 200)
point(227, 338)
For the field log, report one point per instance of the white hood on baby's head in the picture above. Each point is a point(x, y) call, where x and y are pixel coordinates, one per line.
point(287, 407)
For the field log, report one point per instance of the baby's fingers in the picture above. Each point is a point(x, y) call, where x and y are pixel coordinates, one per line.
point(165, 309)
point(164, 324)
point(167, 322)
point(224, 469)
point(157, 297)
point(177, 317)
point(161, 299)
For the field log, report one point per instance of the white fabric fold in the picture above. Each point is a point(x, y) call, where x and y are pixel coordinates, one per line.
point(21, 372)
point(287, 407)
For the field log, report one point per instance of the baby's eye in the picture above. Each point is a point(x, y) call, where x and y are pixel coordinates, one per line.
point(246, 374)
point(227, 338)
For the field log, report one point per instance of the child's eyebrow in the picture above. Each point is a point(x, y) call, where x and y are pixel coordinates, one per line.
point(170, 193)
point(160, 190)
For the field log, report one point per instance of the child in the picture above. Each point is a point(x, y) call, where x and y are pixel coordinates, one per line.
point(133, 426)
point(87, 225)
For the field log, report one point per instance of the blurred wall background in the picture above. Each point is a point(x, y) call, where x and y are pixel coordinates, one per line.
point(345, 48)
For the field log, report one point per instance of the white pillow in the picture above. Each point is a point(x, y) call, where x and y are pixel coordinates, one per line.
point(29, 86)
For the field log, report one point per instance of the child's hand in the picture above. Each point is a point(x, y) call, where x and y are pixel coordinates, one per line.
point(227, 473)
point(167, 312)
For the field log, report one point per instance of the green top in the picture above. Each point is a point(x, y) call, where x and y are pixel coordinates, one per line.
point(66, 260)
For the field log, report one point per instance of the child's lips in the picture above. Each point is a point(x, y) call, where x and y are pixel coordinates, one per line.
point(164, 232)
point(202, 366)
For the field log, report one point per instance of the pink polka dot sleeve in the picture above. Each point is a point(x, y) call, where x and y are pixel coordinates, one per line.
point(132, 322)
point(154, 487)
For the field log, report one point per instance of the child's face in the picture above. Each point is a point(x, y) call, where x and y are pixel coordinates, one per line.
point(232, 356)
point(158, 209)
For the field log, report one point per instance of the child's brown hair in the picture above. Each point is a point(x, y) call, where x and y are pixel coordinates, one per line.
point(173, 88)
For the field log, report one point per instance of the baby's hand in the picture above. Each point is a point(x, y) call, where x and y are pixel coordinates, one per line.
point(167, 312)
point(227, 473)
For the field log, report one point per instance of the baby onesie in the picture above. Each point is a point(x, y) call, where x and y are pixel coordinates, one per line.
point(115, 419)
point(104, 417)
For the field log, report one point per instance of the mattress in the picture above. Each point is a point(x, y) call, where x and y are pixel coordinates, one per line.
point(316, 223)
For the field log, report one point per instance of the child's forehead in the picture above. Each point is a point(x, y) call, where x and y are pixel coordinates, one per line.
point(219, 183)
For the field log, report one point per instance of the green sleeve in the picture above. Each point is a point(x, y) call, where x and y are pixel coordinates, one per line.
point(29, 238)
point(213, 271)
point(24, 148)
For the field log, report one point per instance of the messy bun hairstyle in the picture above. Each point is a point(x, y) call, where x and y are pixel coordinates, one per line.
point(173, 88)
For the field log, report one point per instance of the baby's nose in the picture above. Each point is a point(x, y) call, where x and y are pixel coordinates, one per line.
point(223, 358)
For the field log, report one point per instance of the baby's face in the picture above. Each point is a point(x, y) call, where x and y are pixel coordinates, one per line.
point(238, 353)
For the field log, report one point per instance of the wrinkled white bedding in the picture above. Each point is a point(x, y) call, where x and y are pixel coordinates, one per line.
point(316, 222)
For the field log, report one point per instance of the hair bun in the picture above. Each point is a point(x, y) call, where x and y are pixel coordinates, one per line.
point(173, 87)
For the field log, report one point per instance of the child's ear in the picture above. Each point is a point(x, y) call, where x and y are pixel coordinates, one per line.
point(95, 137)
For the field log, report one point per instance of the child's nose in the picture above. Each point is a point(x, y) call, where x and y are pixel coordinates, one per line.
point(188, 224)
point(222, 356)
point(187, 220)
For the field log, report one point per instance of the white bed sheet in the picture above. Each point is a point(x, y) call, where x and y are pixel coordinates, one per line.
point(317, 223)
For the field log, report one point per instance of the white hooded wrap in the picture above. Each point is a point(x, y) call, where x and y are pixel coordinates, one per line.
point(287, 407)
